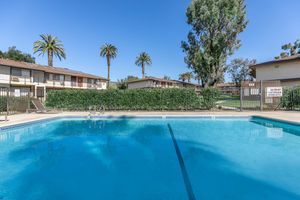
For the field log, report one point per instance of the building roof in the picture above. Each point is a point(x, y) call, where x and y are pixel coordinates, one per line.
point(152, 79)
point(226, 85)
point(280, 60)
point(187, 83)
point(55, 70)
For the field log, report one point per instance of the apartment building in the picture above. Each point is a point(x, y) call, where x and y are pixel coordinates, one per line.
point(286, 70)
point(152, 82)
point(27, 78)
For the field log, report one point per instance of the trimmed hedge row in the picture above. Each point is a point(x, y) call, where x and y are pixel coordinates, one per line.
point(135, 99)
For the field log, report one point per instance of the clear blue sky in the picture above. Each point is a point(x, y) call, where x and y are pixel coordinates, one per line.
point(155, 26)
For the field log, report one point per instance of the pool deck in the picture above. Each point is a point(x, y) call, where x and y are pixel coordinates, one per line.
point(289, 116)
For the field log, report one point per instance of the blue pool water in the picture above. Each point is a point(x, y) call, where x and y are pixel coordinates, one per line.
point(151, 158)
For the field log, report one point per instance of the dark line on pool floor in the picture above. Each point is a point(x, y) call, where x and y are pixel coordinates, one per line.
point(187, 182)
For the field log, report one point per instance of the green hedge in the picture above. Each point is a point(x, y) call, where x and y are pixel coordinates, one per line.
point(291, 98)
point(135, 99)
point(210, 97)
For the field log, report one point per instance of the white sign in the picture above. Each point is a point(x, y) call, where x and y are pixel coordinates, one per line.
point(274, 91)
point(17, 93)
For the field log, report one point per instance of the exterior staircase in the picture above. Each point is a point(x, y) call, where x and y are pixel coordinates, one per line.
point(38, 105)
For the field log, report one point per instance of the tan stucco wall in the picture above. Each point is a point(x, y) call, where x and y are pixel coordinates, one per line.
point(140, 84)
point(278, 71)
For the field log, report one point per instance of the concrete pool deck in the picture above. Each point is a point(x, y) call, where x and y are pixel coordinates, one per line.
point(289, 116)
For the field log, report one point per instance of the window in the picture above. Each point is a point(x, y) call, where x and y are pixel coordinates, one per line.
point(16, 72)
point(90, 81)
point(56, 77)
point(47, 77)
point(25, 73)
point(61, 78)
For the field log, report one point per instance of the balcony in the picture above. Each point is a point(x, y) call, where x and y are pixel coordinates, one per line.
point(73, 84)
point(91, 85)
point(20, 80)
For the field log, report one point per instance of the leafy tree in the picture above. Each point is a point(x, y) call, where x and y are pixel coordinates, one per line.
point(110, 52)
point(216, 25)
point(186, 76)
point(122, 84)
point(14, 54)
point(289, 49)
point(50, 45)
point(239, 70)
point(142, 60)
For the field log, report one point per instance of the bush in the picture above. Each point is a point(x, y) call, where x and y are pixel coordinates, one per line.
point(135, 99)
point(210, 97)
point(291, 98)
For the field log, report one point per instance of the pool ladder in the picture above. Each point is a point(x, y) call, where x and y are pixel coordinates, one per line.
point(95, 110)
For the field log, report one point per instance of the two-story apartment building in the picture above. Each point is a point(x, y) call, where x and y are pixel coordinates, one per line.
point(286, 70)
point(152, 82)
point(27, 78)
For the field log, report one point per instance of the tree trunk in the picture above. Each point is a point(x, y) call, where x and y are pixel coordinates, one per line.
point(50, 58)
point(143, 70)
point(108, 70)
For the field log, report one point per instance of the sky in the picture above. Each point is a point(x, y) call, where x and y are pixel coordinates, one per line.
point(134, 26)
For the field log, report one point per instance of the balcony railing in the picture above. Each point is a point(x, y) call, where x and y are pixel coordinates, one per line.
point(20, 79)
point(91, 85)
point(54, 83)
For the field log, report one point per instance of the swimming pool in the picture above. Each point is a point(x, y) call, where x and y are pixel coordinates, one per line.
point(151, 158)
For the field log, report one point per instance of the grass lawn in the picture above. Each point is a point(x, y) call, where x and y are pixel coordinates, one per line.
point(235, 103)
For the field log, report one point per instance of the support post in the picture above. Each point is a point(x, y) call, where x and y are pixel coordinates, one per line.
point(7, 106)
point(28, 101)
point(261, 96)
point(241, 98)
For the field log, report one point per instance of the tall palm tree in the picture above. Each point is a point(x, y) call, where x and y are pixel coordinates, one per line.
point(189, 76)
point(50, 45)
point(186, 76)
point(182, 77)
point(110, 52)
point(142, 60)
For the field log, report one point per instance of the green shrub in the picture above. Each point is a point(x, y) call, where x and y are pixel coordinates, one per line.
point(135, 99)
point(291, 98)
point(210, 96)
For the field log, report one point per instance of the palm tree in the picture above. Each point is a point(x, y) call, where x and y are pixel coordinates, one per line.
point(186, 76)
point(189, 76)
point(50, 45)
point(142, 60)
point(182, 77)
point(110, 52)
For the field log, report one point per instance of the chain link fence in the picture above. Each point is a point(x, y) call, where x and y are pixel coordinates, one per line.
point(259, 95)
point(12, 102)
